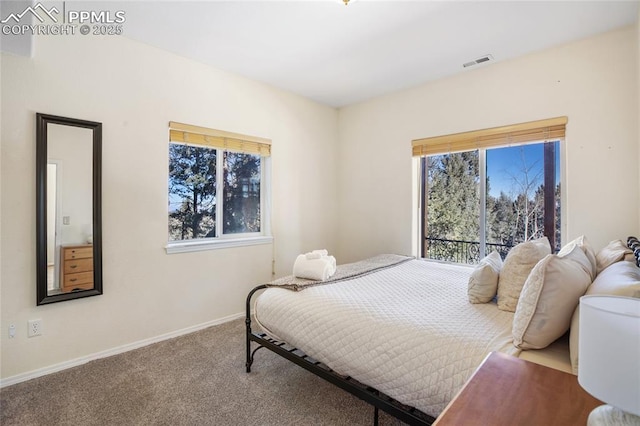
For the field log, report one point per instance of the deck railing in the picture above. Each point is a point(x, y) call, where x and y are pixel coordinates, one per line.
point(460, 251)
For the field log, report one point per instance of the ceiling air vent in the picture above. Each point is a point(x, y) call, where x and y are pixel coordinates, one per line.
point(485, 58)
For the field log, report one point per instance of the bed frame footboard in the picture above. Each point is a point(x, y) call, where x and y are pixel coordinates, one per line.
point(368, 394)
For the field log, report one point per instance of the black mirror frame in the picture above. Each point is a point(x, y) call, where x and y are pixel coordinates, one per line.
point(42, 120)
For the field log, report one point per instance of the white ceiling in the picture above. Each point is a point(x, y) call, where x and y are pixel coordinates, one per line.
point(339, 55)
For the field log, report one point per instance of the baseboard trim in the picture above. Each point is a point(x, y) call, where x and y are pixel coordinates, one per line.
point(113, 351)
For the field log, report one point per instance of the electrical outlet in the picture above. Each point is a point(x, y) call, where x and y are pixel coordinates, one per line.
point(12, 331)
point(35, 328)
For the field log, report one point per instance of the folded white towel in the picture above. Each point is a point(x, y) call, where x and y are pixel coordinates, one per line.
point(322, 252)
point(332, 260)
point(314, 269)
point(312, 255)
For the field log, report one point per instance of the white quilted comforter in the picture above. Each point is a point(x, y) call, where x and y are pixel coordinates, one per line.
point(408, 331)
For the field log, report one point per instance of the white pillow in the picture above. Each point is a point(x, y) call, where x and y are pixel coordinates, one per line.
point(619, 279)
point(516, 268)
point(584, 245)
point(483, 282)
point(614, 252)
point(549, 297)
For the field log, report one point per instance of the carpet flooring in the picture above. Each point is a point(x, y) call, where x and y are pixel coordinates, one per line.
point(196, 379)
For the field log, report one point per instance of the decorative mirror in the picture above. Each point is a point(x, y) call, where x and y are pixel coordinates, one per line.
point(68, 208)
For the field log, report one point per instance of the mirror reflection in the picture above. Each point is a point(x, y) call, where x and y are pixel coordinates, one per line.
point(68, 210)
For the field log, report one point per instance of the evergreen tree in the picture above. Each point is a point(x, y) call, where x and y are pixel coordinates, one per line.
point(192, 173)
point(453, 199)
point(501, 227)
point(241, 193)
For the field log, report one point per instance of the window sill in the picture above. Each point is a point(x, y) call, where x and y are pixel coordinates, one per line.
point(186, 247)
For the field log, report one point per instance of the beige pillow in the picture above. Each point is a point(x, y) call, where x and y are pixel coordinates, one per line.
point(584, 245)
point(614, 252)
point(548, 299)
point(619, 279)
point(517, 266)
point(483, 282)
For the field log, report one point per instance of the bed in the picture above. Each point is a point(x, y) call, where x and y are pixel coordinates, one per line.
point(395, 331)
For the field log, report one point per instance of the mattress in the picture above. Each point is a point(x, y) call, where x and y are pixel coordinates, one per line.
point(555, 356)
point(408, 330)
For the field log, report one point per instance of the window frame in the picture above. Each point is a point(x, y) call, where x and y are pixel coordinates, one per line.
point(539, 131)
point(482, 188)
point(229, 240)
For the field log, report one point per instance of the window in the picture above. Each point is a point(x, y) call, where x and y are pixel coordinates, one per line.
point(217, 189)
point(491, 197)
point(241, 203)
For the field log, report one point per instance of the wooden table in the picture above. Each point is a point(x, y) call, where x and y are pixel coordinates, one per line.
point(506, 390)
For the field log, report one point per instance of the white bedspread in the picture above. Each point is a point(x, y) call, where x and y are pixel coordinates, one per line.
point(408, 331)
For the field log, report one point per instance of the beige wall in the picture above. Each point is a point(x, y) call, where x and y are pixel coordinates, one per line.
point(591, 81)
point(135, 90)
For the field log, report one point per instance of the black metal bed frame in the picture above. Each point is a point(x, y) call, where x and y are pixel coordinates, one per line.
point(368, 394)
